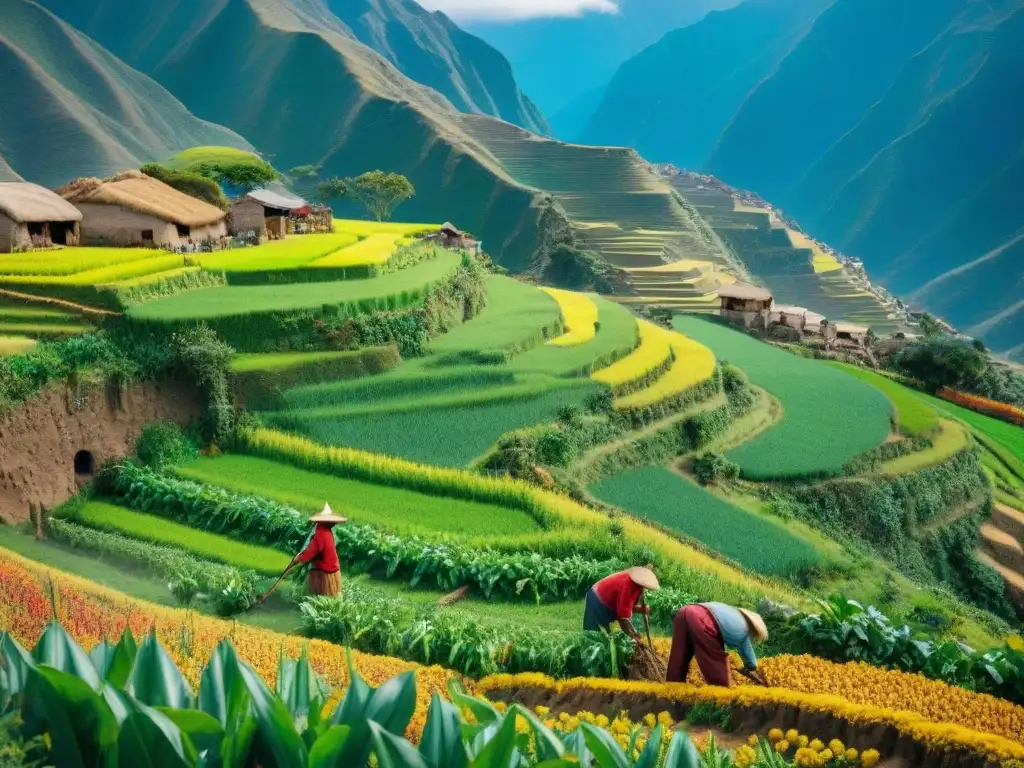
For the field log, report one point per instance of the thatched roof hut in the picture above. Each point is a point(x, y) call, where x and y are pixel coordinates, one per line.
point(31, 215)
point(132, 208)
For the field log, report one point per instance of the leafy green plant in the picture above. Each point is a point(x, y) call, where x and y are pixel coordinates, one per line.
point(710, 468)
point(163, 444)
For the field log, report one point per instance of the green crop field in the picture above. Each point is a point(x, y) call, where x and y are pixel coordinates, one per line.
point(616, 337)
point(281, 361)
point(156, 261)
point(671, 501)
point(70, 261)
point(449, 435)
point(138, 525)
point(950, 440)
point(395, 509)
point(228, 301)
point(829, 416)
point(292, 252)
point(916, 417)
point(1009, 436)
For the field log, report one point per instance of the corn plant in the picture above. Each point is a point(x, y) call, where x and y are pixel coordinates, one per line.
point(128, 705)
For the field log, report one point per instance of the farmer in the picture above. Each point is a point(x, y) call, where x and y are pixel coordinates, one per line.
point(705, 630)
point(322, 555)
point(616, 597)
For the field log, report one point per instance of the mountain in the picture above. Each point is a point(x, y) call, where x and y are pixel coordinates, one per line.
point(292, 78)
point(900, 142)
point(80, 111)
point(430, 49)
point(570, 121)
point(557, 60)
point(671, 101)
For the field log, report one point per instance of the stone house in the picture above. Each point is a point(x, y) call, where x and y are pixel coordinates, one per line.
point(785, 314)
point(265, 213)
point(34, 217)
point(132, 209)
point(745, 304)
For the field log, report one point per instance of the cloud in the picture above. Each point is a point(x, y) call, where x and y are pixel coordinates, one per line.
point(517, 10)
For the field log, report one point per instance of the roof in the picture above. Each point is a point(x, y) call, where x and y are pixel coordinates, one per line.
point(789, 309)
point(449, 227)
point(143, 194)
point(273, 199)
point(25, 202)
point(850, 328)
point(813, 318)
point(744, 291)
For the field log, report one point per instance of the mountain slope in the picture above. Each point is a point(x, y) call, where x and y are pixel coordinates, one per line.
point(672, 100)
point(430, 49)
point(80, 111)
point(557, 60)
point(293, 80)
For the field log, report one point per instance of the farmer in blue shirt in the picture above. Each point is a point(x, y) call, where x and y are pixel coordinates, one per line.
point(706, 630)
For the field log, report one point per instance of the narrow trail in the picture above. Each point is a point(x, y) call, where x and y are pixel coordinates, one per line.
point(962, 511)
point(80, 308)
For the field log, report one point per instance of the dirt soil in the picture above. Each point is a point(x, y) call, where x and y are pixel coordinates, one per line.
point(897, 750)
point(40, 439)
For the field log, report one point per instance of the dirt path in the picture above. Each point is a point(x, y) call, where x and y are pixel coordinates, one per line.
point(80, 308)
point(960, 512)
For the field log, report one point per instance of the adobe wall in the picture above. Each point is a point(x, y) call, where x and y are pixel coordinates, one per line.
point(39, 440)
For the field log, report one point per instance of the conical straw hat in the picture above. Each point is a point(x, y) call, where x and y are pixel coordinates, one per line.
point(328, 516)
point(644, 577)
point(756, 623)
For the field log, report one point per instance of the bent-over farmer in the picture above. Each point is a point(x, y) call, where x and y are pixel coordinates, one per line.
point(322, 555)
point(616, 597)
point(706, 630)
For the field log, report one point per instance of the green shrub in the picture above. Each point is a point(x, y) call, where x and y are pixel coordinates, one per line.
point(163, 444)
point(207, 359)
point(710, 468)
point(192, 184)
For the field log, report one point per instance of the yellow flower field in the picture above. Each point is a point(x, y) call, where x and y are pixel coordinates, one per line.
point(373, 251)
point(693, 364)
point(91, 613)
point(652, 353)
point(70, 261)
point(156, 261)
point(579, 314)
point(362, 228)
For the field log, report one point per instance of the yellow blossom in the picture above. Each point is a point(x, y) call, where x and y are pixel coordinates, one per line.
point(792, 735)
point(782, 747)
point(869, 758)
point(541, 711)
point(802, 741)
point(816, 745)
point(776, 734)
point(851, 755)
point(837, 747)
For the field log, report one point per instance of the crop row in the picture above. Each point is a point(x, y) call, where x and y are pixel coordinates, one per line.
point(70, 261)
point(579, 315)
point(984, 406)
point(692, 364)
point(375, 250)
point(653, 353)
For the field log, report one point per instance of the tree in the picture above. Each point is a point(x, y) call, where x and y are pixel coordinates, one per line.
point(942, 361)
point(243, 175)
point(379, 192)
point(332, 189)
point(189, 182)
point(929, 325)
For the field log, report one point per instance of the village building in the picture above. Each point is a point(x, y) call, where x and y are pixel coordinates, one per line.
point(745, 304)
point(450, 236)
point(34, 217)
point(815, 325)
point(264, 213)
point(788, 315)
point(850, 336)
point(132, 209)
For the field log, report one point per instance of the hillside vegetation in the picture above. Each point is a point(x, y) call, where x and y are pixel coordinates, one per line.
point(787, 100)
point(80, 110)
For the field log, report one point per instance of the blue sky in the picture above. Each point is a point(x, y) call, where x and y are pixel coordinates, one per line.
point(514, 10)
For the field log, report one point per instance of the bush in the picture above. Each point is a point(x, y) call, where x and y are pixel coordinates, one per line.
point(192, 184)
point(164, 444)
point(207, 359)
point(711, 468)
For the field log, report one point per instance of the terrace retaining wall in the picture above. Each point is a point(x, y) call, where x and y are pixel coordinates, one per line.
point(39, 441)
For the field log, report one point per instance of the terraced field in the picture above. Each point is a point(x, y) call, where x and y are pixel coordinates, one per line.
point(22, 322)
point(830, 417)
point(790, 265)
point(617, 205)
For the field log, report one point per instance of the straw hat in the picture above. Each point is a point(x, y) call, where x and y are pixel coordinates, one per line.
point(644, 577)
point(756, 624)
point(328, 516)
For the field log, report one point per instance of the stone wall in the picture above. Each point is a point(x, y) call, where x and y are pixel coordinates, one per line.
point(39, 440)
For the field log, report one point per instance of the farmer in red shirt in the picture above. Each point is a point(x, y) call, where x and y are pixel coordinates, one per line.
point(616, 597)
point(322, 555)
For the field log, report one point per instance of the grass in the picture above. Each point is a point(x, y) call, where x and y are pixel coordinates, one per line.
point(395, 509)
point(916, 417)
point(829, 416)
point(228, 301)
point(1009, 436)
point(70, 261)
point(950, 440)
point(15, 345)
point(190, 159)
point(514, 319)
point(451, 435)
point(652, 353)
point(692, 364)
point(155, 277)
point(280, 361)
point(289, 253)
point(138, 525)
point(579, 315)
point(616, 337)
point(668, 500)
point(374, 250)
point(51, 329)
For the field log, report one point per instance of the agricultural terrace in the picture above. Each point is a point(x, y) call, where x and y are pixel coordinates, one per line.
point(289, 253)
point(692, 364)
point(579, 315)
point(396, 290)
point(653, 353)
point(914, 415)
point(829, 417)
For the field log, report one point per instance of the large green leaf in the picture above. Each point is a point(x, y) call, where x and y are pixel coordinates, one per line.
point(482, 710)
point(649, 757)
point(682, 753)
point(148, 738)
point(328, 749)
point(441, 744)
point(299, 686)
point(83, 730)
point(356, 698)
point(57, 649)
point(393, 751)
point(274, 723)
point(114, 662)
point(216, 684)
point(393, 704)
point(546, 743)
point(602, 745)
point(500, 750)
point(15, 663)
point(205, 733)
point(156, 680)
point(576, 744)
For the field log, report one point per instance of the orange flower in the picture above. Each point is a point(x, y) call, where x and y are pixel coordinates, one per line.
point(983, 405)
